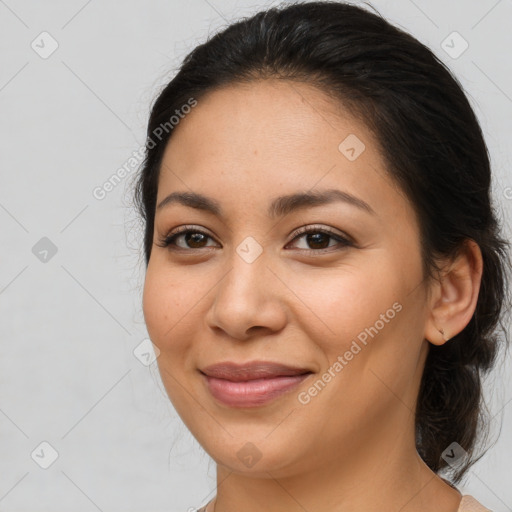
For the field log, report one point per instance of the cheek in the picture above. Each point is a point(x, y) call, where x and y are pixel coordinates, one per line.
point(153, 305)
point(165, 304)
point(364, 311)
point(340, 303)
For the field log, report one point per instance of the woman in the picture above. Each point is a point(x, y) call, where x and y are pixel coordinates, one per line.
point(325, 272)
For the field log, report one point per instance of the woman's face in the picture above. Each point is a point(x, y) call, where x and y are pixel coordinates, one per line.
point(353, 313)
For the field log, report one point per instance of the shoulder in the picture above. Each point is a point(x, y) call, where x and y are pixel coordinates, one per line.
point(470, 504)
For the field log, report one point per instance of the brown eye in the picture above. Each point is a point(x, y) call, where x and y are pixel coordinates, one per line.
point(193, 239)
point(196, 239)
point(318, 239)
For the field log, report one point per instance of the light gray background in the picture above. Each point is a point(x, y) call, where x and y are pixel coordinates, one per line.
point(69, 326)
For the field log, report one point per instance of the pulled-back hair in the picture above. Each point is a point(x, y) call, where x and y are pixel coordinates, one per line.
point(433, 148)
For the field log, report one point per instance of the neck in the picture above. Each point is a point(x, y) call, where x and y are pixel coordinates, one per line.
point(381, 472)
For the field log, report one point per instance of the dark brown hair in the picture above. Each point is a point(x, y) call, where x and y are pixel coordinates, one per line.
point(434, 149)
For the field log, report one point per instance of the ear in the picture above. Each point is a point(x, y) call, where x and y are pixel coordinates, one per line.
point(453, 297)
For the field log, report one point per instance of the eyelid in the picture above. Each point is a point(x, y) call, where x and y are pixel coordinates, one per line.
point(188, 227)
point(320, 228)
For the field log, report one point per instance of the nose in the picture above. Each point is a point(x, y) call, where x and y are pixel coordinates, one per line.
point(248, 300)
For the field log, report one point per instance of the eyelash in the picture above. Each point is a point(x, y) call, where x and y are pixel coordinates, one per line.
point(170, 239)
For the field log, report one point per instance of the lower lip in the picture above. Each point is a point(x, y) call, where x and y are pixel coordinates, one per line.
point(252, 393)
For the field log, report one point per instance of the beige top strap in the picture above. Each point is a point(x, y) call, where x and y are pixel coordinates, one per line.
point(469, 504)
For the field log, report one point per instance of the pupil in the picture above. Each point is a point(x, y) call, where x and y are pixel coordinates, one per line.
point(195, 237)
point(317, 238)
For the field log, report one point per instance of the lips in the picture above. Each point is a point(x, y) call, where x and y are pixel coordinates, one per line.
point(253, 370)
point(251, 384)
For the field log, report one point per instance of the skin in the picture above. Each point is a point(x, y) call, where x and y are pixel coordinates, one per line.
point(352, 447)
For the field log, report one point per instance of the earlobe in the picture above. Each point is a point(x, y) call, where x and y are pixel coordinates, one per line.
point(436, 336)
point(455, 298)
point(445, 337)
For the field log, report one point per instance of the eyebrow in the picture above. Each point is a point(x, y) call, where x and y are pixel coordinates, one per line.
point(279, 207)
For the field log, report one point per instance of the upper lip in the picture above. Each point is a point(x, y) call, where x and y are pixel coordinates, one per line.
point(252, 370)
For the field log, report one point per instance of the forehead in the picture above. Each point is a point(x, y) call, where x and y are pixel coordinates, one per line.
point(269, 137)
point(267, 117)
